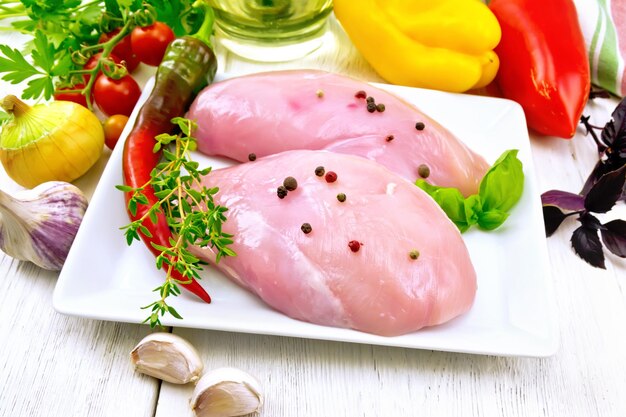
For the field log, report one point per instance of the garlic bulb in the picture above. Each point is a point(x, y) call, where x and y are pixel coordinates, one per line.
point(168, 357)
point(39, 225)
point(58, 141)
point(226, 392)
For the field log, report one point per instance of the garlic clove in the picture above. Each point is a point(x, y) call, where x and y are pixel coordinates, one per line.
point(168, 357)
point(226, 392)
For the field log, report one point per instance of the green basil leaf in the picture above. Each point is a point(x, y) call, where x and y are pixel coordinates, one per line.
point(492, 219)
point(502, 186)
point(450, 200)
point(500, 189)
point(473, 209)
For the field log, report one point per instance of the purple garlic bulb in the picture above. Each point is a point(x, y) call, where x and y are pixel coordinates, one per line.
point(39, 225)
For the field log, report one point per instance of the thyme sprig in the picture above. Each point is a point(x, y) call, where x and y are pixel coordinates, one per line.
point(191, 214)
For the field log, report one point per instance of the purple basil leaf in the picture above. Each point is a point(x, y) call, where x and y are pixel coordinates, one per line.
point(606, 191)
point(563, 199)
point(608, 133)
point(587, 245)
point(598, 171)
point(614, 131)
point(552, 219)
point(614, 237)
point(590, 221)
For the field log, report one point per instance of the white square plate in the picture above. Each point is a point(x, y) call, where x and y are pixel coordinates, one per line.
point(513, 314)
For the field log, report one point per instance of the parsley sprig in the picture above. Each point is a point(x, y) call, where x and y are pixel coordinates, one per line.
point(191, 213)
point(65, 33)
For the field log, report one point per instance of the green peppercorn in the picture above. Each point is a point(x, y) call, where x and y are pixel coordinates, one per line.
point(341, 197)
point(290, 183)
point(380, 107)
point(414, 254)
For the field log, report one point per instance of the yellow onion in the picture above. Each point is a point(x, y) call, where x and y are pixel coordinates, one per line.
point(58, 141)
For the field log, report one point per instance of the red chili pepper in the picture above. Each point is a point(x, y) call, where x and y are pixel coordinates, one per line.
point(543, 62)
point(188, 63)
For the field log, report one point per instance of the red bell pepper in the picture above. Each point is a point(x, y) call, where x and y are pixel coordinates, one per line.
point(543, 62)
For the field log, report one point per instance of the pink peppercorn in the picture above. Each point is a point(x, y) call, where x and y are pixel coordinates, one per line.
point(354, 245)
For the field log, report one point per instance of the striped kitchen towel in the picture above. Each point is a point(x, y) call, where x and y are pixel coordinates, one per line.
point(603, 23)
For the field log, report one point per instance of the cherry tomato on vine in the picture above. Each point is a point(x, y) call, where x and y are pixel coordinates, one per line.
point(61, 94)
point(113, 127)
point(149, 43)
point(116, 96)
point(123, 50)
point(93, 61)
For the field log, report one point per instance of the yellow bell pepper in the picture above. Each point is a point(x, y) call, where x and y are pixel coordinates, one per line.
point(439, 44)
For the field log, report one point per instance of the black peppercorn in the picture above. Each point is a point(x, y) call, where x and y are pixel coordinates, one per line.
point(290, 183)
point(306, 228)
point(281, 192)
point(319, 171)
point(371, 107)
point(252, 157)
point(420, 126)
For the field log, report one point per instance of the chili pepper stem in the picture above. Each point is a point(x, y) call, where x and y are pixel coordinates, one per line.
point(206, 29)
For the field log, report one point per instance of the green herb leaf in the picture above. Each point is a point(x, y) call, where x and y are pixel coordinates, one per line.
point(43, 54)
point(502, 186)
point(450, 200)
point(124, 188)
point(173, 312)
point(187, 207)
point(500, 189)
point(13, 63)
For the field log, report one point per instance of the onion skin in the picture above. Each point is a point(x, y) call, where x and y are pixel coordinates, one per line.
point(59, 141)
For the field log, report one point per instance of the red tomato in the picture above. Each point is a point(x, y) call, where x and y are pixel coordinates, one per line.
point(75, 97)
point(116, 96)
point(93, 61)
point(122, 50)
point(149, 43)
point(113, 127)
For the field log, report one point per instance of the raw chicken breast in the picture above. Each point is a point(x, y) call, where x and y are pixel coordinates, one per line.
point(317, 277)
point(277, 111)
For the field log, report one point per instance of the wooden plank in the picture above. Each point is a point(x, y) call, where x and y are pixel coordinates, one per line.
point(55, 365)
